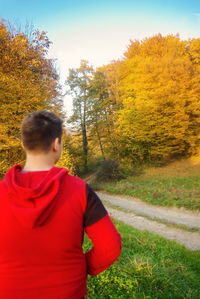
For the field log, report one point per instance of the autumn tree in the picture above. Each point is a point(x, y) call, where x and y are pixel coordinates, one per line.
point(28, 82)
point(104, 104)
point(97, 107)
point(160, 98)
point(78, 82)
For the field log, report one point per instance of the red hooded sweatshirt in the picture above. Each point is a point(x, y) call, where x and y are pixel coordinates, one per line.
point(43, 216)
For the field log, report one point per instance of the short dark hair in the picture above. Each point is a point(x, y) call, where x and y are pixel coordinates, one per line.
point(39, 129)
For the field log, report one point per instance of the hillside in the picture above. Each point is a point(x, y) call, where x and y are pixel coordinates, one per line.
point(177, 184)
point(179, 168)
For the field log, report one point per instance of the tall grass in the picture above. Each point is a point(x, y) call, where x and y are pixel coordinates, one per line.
point(149, 267)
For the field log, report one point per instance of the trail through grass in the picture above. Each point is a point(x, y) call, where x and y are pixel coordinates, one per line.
point(167, 223)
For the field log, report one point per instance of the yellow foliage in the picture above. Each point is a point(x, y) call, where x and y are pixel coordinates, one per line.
point(28, 82)
point(160, 97)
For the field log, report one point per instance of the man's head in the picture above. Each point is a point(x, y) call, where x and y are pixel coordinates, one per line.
point(41, 132)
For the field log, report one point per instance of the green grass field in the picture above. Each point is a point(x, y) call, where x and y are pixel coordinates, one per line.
point(149, 267)
point(177, 184)
point(174, 191)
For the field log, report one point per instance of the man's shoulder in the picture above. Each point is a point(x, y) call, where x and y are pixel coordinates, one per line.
point(73, 179)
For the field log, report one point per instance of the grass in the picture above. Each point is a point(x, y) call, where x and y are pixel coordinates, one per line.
point(149, 267)
point(176, 184)
point(162, 191)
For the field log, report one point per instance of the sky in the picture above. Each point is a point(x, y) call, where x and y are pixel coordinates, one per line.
point(100, 31)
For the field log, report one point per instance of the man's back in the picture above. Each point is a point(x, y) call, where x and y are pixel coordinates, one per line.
point(43, 216)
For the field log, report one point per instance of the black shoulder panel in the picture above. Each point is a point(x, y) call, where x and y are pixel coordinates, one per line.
point(95, 210)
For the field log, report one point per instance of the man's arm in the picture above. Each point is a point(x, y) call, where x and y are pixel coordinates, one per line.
point(103, 234)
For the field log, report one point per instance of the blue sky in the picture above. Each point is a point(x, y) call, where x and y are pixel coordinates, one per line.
point(99, 31)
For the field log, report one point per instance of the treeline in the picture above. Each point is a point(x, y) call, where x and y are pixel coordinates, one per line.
point(142, 108)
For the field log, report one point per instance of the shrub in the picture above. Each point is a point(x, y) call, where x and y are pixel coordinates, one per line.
point(109, 170)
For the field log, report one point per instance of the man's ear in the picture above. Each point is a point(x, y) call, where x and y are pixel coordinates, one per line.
point(55, 144)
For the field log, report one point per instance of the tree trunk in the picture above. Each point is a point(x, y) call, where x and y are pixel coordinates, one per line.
point(85, 142)
point(99, 139)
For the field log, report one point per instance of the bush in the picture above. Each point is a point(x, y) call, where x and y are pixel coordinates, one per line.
point(109, 170)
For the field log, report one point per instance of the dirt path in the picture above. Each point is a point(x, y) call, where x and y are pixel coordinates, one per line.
point(173, 215)
point(191, 240)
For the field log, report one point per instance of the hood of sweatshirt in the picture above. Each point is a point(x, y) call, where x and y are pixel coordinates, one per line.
point(33, 195)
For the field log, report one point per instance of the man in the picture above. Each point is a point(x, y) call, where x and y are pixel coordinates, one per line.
point(44, 213)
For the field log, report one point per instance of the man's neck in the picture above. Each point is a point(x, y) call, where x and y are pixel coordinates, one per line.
point(38, 163)
point(30, 169)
